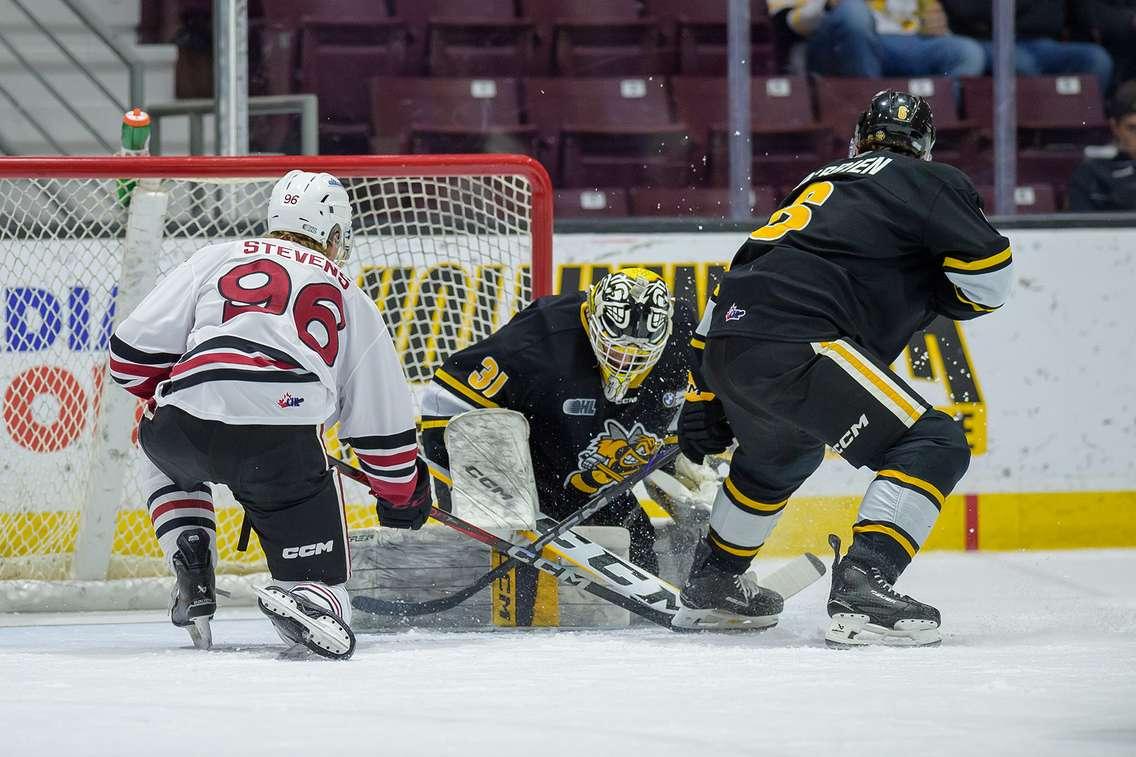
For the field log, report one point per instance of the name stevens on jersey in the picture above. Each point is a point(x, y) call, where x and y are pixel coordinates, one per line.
point(309, 257)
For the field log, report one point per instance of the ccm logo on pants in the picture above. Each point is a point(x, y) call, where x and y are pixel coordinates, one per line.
point(308, 550)
point(851, 434)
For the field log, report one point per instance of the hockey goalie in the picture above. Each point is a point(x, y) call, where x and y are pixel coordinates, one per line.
point(243, 353)
point(599, 375)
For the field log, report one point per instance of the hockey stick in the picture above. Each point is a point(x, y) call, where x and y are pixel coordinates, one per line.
point(628, 587)
point(527, 554)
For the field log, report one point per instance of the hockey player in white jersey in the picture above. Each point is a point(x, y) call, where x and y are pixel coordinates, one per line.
point(244, 352)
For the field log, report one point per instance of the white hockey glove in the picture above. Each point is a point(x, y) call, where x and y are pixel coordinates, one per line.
point(691, 487)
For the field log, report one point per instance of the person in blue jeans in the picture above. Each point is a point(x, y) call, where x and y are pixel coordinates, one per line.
point(875, 38)
point(1038, 50)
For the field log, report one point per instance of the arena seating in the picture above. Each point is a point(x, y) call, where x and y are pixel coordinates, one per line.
point(785, 133)
point(430, 115)
point(1029, 198)
point(597, 37)
point(607, 131)
point(611, 202)
point(459, 38)
point(697, 32)
point(696, 202)
point(610, 93)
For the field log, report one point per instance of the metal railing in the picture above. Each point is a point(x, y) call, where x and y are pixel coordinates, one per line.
point(267, 105)
point(93, 23)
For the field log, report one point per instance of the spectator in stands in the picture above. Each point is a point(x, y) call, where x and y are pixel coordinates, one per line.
point(1038, 50)
point(1101, 184)
point(1111, 24)
point(875, 38)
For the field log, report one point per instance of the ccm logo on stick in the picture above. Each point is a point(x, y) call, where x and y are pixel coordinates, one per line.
point(851, 434)
point(308, 550)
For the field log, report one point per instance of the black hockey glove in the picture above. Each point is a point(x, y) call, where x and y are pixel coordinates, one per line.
point(414, 513)
point(702, 426)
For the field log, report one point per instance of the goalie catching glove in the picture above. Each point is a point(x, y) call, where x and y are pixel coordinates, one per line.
point(414, 513)
point(702, 426)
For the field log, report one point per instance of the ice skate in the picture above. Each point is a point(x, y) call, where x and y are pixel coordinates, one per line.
point(866, 610)
point(715, 599)
point(194, 598)
point(301, 621)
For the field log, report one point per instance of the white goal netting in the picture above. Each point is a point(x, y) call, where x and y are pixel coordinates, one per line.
point(447, 257)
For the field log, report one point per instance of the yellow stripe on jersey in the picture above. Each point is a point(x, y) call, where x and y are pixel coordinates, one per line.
point(870, 372)
point(969, 266)
point(766, 508)
point(926, 487)
point(899, 538)
point(440, 423)
point(453, 383)
point(698, 344)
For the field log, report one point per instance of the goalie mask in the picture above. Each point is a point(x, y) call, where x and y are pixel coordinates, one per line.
point(627, 316)
point(314, 205)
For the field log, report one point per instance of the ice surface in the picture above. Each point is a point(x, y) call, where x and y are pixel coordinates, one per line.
point(1039, 657)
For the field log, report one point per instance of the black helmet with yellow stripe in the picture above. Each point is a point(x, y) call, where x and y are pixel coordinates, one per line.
point(897, 121)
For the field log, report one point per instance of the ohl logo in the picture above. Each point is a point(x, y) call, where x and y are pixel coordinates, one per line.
point(613, 455)
point(289, 401)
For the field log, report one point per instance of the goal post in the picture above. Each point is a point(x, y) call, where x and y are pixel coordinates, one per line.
point(448, 247)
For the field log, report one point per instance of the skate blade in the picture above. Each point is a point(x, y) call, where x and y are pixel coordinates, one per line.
point(690, 619)
point(200, 633)
point(850, 630)
point(326, 635)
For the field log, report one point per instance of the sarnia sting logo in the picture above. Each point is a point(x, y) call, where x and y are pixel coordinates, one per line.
point(613, 455)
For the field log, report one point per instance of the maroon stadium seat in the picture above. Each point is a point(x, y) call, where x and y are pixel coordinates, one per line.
point(459, 38)
point(1057, 116)
point(447, 115)
point(698, 202)
point(296, 11)
point(697, 30)
point(1055, 112)
point(1029, 198)
point(329, 51)
point(607, 132)
point(591, 203)
point(787, 141)
point(597, 37)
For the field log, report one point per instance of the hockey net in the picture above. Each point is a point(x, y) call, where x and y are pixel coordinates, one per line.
point(449, 247)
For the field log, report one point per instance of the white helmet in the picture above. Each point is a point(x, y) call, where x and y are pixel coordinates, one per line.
point(627, 315)
point(312, 204)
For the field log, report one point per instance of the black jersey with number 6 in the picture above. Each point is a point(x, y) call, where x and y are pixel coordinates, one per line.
point(870, 248)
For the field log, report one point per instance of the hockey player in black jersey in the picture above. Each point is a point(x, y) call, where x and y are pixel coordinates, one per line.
point(599, 375)
point(797, 344)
